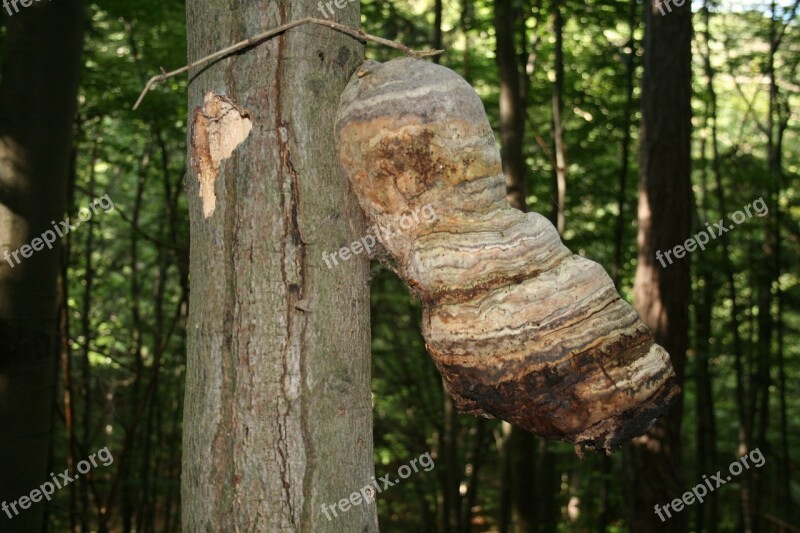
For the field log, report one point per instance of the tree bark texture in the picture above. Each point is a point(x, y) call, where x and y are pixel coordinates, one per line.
point(665, 208)
point(38, 99)
point(278, 415)
point(512, 105)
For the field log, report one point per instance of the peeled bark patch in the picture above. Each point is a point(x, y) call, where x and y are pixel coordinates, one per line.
point(219, 127)
point(520, 328)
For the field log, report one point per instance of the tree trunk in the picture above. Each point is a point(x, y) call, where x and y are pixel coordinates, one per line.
point(278, 423)
point(559, 149)
point(477, 457)
point(745, 431)
point(465, 21)
point(518, 480)
point(662, 294)
point(707, 515)
point(437, 28)
point(518, 466)
point(548, 488)
point(451, 472)
point(38, 98)
point(785, 503)
point(625, 149)
point(512, 106)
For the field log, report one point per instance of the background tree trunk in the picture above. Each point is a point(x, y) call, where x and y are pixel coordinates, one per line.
point(437, 28)
point(518, 464)
point(559, 215)
point(512, 105)
point(665, 213)
point(38, 98)
point(278, 415)
point(707, 516)
point(625, 148)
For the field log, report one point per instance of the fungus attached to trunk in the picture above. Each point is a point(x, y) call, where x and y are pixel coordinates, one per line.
point(520, 328)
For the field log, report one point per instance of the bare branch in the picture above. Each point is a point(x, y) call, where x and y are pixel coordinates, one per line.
point(358, 34)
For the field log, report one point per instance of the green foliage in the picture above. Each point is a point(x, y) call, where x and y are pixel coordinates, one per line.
point(128, 269)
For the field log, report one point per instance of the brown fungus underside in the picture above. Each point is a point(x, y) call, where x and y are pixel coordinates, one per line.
point(520, 328)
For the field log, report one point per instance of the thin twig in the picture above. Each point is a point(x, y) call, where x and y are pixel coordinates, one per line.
point(358, 34)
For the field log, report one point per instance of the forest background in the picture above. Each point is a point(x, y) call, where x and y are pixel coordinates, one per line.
point(124, 297)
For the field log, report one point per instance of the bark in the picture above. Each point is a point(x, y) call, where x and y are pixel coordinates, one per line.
point(512, 106)
point(465, 22)
point(662, 294)
point(707, 514)
point(785, 481)
point(548, 488)
point(86, 333)
point(559, 149)
point(604, 503)
point(65, 356)
point(38, 99)
point(478, 456)
point(278, 406)
point(451, 473)
point(625, 149)
point(437, 29)
point(518, 480)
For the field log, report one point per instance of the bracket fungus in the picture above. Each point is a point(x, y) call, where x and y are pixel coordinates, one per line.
point(520, 328)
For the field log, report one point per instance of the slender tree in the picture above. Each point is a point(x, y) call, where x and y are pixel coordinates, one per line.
point(517, 446)
point(769, 268)
point(512, 104)
point(559, 148)
point(707, 516)
point(625, 148)
point(661, 293)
